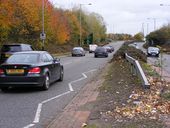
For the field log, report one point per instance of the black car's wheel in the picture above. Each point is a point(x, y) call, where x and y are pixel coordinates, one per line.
point(46, 84)
point(61, 75)
point(4, 89)
point(95, 56)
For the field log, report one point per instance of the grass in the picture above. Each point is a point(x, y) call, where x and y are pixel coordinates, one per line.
point(91, 126)
point(166, 95)
point(149, 70)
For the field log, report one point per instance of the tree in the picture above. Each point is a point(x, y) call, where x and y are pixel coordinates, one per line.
point(139, 36)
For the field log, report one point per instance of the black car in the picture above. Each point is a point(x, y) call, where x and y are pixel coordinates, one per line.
point(8, 49)
point(109, 49)
point(30, 69)
point(100, 52)
point(112, 48)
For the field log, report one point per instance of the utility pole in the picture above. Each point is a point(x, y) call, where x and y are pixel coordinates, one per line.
point(42, 35)
point(154, 22)
point(147, 28)
point(143, 31)
point(81, 22)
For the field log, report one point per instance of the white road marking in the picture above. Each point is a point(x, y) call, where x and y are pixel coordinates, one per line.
point(39, 108)
point(29, 126)
point(82, 78)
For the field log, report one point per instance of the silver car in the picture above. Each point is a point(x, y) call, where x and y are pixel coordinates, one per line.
point(153, 51)
point(78, 51)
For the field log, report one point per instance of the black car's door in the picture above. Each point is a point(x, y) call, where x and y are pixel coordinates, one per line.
point(55, 67)
point(48, 65)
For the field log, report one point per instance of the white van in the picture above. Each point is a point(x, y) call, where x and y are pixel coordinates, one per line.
point(92, 48)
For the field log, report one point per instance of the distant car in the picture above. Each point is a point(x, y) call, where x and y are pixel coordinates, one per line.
point(78, 51)
point(8, 49)
point(30, 69)
point(109, 49)
point(112, 48)
point(100, 52)
point(153, 51)
point(92, 48)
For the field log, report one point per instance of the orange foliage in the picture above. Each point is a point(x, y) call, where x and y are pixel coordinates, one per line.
point(59, 26)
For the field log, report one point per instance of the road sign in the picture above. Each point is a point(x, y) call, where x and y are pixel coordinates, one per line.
point(42, 36)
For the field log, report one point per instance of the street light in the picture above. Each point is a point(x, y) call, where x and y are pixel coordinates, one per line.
point(80, 23)
point(42, 35)
point(147, 28)
point(164, 4)
point(154, 20)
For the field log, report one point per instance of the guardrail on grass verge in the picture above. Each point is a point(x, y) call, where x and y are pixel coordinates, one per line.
point(137, 70)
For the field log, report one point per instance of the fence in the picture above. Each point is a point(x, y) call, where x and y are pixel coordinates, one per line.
point(137, 70)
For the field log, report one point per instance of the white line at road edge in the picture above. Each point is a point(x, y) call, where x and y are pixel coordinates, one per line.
point(82, 78)
point(39, 108)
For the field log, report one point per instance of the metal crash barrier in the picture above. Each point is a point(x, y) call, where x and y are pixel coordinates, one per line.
point(137, 70)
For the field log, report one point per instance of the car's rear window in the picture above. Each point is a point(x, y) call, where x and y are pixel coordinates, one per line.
point(77, 49)
point(100, 49)
point(11, 48)
point(23, 58)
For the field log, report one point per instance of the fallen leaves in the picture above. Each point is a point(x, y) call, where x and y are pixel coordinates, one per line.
point(144, 104)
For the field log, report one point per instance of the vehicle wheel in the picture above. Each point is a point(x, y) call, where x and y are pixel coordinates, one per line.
point(95, 56)
point(46, 84)
point(61, 75)
point(4, 89)
point(106, 56)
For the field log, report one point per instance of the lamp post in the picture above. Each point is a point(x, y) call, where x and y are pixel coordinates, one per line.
point(154, 22)
point(42, 35)
point(147, 28)
point(164, 4)
point(81, 22)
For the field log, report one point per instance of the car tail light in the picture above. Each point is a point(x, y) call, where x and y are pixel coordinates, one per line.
point(1, 71)
point(35, 70)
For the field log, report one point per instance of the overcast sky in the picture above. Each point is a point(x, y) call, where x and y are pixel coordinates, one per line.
point(125, 16)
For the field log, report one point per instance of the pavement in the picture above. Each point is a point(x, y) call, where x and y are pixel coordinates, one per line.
point(166, 77)
point(75, 114)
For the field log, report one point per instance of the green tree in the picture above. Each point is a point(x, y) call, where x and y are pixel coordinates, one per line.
point(139, 36)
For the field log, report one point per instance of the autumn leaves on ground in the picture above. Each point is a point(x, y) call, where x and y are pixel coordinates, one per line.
point(123, 103)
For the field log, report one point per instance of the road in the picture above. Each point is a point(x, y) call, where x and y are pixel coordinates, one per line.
point(165, 58)
point(32, 108)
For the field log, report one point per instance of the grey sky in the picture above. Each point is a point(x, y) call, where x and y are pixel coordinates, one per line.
point(125, 16)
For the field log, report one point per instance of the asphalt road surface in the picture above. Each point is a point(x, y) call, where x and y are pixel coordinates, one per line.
point(32, 108)
point(163, 59)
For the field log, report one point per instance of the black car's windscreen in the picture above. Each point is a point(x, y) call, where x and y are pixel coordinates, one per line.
point(23, 58)
point(11, 48)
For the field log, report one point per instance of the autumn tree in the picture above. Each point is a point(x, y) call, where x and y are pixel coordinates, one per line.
point(6, 20)
point(21, 22)
point(139, 36)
